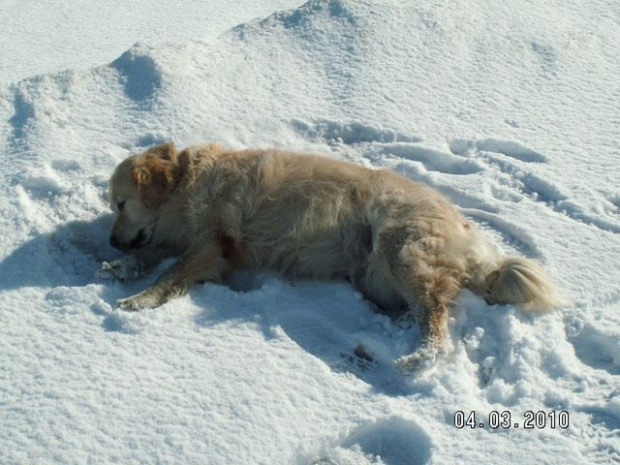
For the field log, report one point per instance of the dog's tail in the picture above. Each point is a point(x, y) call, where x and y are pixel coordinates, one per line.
point(511, 280)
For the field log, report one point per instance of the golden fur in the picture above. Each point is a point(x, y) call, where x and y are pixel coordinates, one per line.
point(306, 216)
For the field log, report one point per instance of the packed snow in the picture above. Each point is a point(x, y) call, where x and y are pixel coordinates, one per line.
point(508, 108)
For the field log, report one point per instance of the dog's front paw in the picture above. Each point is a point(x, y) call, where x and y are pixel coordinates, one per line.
point(123, 269)
point(137, 302)
point(422, 359)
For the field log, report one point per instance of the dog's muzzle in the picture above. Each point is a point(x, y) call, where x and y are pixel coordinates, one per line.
point(137, 242)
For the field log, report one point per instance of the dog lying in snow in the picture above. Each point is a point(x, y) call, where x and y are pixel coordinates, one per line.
point(306, 216)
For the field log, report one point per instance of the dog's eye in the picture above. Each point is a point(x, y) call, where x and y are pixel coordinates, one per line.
point(120, 205)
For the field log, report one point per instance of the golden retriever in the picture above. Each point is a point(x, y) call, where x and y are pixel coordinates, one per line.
point(306, 216)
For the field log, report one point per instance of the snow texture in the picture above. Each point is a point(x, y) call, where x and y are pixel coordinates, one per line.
point(508, 108)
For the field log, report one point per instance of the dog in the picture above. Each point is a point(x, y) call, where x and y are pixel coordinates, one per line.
point(400, 243)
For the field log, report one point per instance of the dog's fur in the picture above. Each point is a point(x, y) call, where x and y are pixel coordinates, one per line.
point(306, 216)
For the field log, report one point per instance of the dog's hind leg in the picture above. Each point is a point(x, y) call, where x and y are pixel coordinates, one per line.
point(196, 265)
point(428, 278)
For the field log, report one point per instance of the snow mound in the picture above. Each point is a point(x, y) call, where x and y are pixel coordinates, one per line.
point(387, 441)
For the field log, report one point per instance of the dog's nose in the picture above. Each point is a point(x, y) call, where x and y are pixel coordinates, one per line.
point(114, 242)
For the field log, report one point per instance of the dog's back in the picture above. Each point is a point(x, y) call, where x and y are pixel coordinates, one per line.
point(302, 215)
point(316, 217)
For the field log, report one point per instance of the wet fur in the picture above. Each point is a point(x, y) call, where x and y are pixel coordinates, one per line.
point(306, 216)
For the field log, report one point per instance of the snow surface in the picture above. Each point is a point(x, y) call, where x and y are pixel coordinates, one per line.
point(41, 36)
point(509, 108)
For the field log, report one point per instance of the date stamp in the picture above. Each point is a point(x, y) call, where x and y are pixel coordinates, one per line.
point(507, 420)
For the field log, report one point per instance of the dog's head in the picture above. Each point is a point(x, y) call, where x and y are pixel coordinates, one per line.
point(139, 187)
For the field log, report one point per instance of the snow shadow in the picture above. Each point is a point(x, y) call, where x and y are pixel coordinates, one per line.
point(68, 256)
point(329, 320)
point(597, 349)
point(139, 74)
point(604, 415)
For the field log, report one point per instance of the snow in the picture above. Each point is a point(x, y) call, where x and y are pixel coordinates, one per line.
point(510, 109)
point(39, 36)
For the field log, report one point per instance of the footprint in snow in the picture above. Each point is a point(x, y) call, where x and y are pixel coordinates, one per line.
point(517, 179)
point(512, 149)
point(376, 142)
point(350, 133)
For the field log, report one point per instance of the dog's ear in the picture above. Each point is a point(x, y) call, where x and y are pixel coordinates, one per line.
point(165, 151)
point(156, 178)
